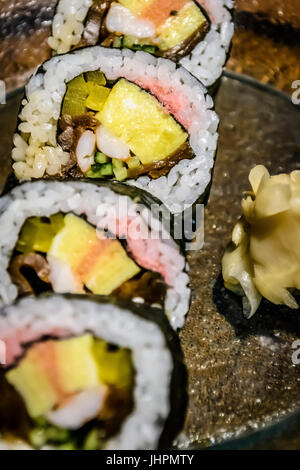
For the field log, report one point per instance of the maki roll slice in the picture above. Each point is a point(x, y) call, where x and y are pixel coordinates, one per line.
point(119, 115)
point(195, 33)
point(81, 237)
point(89, 374)
point(263, 259)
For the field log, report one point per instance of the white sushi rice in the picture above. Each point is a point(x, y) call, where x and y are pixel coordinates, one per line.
point(36, 152)
point(153, 249)
point(206, 60)
point(152, 359)
point(68, 24)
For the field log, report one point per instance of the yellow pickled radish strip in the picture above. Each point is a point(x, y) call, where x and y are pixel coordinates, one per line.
point(97, 96)
point(96, 76)
point(37, 235)
point(76, 94)
point(114, 367)
point(85, 91)
point(57, 222)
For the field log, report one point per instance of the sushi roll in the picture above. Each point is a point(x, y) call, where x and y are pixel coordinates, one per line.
point(82, 237)
point(195, 33)
point(119, 115)
point(263, 259)
point(87, 374)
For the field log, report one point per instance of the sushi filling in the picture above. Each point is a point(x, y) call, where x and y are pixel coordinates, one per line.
point(116, 130)
point(162, 27)
point(70, 393)
point(66, 254)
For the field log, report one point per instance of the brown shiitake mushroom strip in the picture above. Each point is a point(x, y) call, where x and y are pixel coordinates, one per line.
point(108, 40)
point(67, 136)
point(14, 418)
point(162, 167)
point(117, 406)
point(30, 260)
point(72, 128)
point(150, 286)
point(94, 28)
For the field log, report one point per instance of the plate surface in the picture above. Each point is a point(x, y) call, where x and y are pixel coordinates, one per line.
point(241, 375)
point(241, 372)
